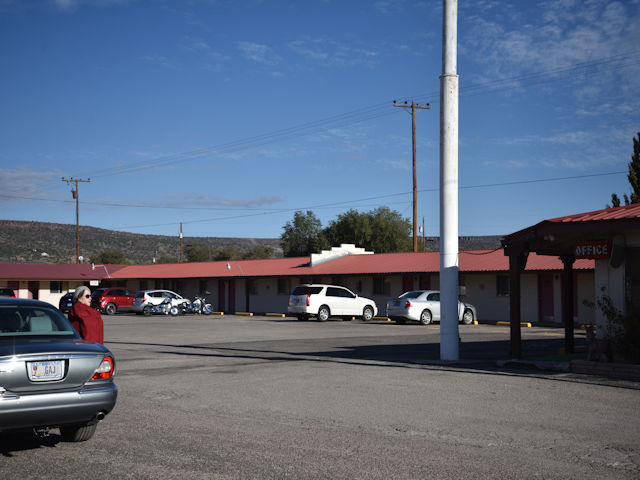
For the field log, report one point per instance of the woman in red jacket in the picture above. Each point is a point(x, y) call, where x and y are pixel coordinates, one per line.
point(86, 320)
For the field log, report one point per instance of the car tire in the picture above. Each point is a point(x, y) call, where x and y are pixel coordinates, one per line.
point(425, 317)
point(110, 309)
point(367, 314)
point(323, 313)
point(147, 310)
point(78, 433)
point(467, 317)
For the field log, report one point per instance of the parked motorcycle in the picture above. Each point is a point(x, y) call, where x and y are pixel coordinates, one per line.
point(164, 308)
point(198, 306)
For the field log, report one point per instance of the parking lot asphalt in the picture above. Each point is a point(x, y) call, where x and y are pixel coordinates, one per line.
point(262, 397)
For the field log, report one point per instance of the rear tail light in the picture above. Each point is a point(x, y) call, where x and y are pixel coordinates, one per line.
point(407, 304)
point(105, 370)
point(308, 299)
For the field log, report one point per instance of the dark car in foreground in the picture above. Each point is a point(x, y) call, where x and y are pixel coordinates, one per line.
point(49, 376)
point(112, 300)
point(7, 292)
point(66, 302)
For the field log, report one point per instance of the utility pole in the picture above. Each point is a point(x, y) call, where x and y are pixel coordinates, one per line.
point(413, 107)
point(76, 195)
point(449, 333)
point(180, 242)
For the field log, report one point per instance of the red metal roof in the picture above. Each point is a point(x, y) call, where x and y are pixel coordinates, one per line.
point(429, 262)
point(53, 271)
point(617, 213)
point(384, 263)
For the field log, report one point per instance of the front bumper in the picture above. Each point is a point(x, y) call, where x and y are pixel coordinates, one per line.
point(57, 408)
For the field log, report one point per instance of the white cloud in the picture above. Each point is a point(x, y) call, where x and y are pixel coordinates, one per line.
point(509, 42)
point(18, 184)
point(331, 52)
point(259, 53)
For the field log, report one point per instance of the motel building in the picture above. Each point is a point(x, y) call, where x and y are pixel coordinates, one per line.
point(554, 267)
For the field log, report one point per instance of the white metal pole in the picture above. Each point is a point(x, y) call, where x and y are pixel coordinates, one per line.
point(449, 348)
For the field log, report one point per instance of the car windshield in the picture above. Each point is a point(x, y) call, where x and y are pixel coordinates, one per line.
point(27, 320)
point(415, 294)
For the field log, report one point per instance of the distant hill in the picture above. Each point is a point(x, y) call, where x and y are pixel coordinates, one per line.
point(22, 241)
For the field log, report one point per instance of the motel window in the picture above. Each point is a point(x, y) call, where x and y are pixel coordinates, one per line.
point(502, 285)
point(382, 286)
point(55, 287)
point(283, 286)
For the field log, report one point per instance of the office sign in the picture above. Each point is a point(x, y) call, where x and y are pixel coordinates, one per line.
point(593, 250)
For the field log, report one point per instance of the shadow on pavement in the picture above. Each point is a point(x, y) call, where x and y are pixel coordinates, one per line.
point(25, 440)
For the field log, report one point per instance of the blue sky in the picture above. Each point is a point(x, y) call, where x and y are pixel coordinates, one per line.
point(228, 116)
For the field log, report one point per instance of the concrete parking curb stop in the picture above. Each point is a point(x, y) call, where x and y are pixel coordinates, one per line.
point(522, 324)
point(246, 314)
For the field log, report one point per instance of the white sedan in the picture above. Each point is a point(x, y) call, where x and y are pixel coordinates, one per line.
point(424, 306)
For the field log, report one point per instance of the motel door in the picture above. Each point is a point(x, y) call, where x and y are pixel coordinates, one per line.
point(232, 295)
point(221, 295)
point(407, 283)
point(545, 297)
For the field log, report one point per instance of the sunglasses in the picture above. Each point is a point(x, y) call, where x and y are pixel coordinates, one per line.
point(87, 296)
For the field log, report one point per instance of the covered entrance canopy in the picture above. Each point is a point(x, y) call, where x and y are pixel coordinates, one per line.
point(599, 234)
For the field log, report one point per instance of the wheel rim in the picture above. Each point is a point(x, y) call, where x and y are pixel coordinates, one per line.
point(368, 314)
point(111, 309)
point(323, 314)
point(467, 318)
point(425, 318)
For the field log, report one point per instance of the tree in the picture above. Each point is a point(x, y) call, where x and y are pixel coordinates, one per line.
point(230, 252)
point(258, 252)
point(391, 231)
point(303, 235)
point(351, 227)
point(197, 252)
point(381, 230)
point(167, 259)
point(633, 177)
point(110, 257)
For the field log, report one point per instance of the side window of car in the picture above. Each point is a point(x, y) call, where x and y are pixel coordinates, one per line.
point(346, 293)
point(433, 297)
point(116, 293)
point(128, 293)
point(333, 292)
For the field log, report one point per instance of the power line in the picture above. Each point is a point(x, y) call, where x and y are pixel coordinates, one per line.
point(379, 110)
point(350, 202)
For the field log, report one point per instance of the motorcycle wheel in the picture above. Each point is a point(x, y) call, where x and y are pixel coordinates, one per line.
point(207, 309)
point(174, 310)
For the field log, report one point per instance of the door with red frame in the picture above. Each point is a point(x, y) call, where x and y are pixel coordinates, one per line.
point(545, 297)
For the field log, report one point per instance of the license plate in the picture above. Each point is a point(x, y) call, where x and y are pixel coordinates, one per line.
point(45, 371)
